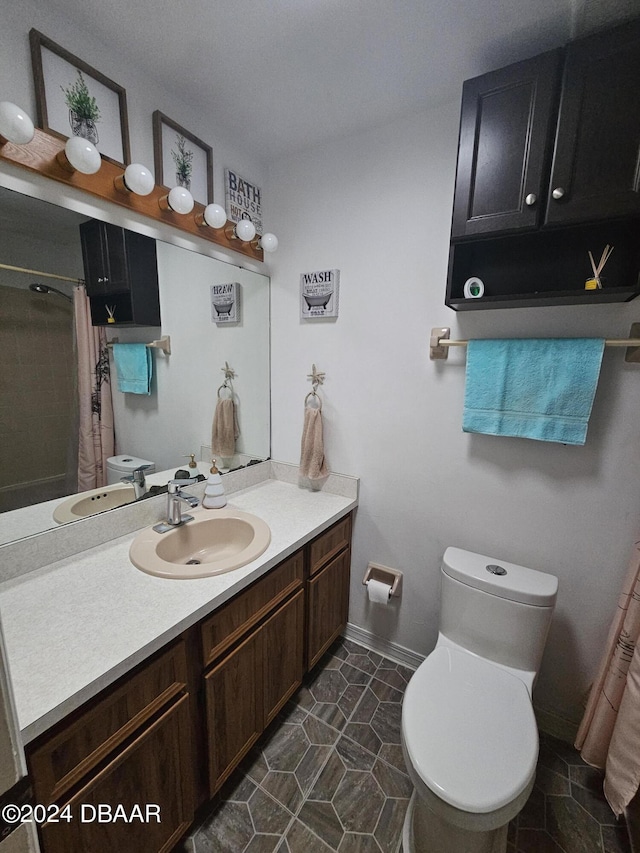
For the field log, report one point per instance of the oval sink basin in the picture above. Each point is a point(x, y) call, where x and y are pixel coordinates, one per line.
point(216, 541)
point(94, 501)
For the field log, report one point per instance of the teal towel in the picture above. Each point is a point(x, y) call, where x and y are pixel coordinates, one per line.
point(541, 389)
point(134, 368)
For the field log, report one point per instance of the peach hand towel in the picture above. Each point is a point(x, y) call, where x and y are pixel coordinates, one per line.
point(312, 461)
point(225, 428)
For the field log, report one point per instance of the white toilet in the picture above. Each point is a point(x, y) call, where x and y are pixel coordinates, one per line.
point(124, 465)
point(469, 735)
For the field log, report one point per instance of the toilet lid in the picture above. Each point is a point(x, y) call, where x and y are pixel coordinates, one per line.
point(469, 731)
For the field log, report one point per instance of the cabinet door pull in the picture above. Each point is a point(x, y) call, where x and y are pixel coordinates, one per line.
point(558, 193)
point(531, 199)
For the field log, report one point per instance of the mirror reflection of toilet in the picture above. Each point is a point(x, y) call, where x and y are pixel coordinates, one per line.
point(124, 466)
point(469, 734)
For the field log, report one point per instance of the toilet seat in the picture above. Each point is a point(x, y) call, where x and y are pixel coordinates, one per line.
point(469, 732)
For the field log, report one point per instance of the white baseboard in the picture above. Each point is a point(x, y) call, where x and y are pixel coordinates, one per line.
point(386, 648)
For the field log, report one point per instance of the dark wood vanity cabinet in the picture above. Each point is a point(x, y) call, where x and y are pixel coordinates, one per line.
point(121, 272)
point(255, 645)
point(173, 730)
point(328, 589)
point(548, 171)
point(129, 747)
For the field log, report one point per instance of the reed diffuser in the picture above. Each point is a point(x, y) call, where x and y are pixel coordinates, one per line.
point(595, 283)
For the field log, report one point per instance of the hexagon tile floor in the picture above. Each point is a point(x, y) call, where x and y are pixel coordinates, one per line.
point(328, 775)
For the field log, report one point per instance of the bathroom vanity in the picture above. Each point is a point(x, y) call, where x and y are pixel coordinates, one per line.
point(144, 693)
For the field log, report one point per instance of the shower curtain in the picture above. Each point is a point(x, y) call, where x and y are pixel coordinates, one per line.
point(609, 735)
point(96, 434)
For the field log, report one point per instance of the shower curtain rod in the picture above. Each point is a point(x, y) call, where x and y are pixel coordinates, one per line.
point(42, 274)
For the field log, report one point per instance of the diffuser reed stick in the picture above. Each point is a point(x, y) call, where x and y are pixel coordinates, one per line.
point(593, 283)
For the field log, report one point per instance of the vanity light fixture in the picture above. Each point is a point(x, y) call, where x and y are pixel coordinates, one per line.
point(79, 155)
point(136, 179)
point(15, 124)
point(244, 230)
point(213, 215)
point(179, 200)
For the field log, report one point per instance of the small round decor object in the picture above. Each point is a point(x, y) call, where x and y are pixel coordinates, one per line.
point(473, 288)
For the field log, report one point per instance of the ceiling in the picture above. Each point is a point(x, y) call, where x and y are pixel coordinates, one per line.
point(284, 75)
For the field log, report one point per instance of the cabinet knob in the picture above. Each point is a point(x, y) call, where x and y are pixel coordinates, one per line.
point(558, 193)
point(100, 280)
point(531, 199)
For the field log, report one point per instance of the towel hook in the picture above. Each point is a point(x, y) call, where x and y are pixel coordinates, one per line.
point(229, 374)
point(317, 379)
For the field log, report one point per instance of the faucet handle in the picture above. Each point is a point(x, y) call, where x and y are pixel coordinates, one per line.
point(174, 486)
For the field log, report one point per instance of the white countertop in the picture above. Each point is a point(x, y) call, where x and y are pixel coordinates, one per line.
point(74, 627)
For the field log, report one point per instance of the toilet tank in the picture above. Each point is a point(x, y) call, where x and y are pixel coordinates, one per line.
point(497, 610)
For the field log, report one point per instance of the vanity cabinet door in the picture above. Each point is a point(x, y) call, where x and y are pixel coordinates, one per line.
point(328, 606)
point(234, 710)
point(506, 131)
point(283, 655)
point(595, 167)
point(154, 770)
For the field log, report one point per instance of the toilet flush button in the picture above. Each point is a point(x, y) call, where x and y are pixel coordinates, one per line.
point(496, 570)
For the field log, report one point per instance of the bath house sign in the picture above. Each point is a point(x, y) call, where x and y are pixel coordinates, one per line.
point(319, 294)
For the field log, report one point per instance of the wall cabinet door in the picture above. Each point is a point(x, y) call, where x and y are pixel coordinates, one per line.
point(155, 769)
point(596, 165)
point(505, 126)
point(283, 655)
point(328, 606)
point(103, 253)
point(234, 710)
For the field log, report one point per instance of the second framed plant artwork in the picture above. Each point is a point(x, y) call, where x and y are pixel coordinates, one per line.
point(181, 159)
point(74, 99)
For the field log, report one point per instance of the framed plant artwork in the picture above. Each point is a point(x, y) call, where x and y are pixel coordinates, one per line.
point(74, 99)
point(181, 159)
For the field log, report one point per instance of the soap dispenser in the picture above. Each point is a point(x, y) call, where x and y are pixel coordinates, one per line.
point(214, 490)
point(193, 465)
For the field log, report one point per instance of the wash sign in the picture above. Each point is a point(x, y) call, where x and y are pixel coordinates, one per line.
point(243, 199)
point(319, 294)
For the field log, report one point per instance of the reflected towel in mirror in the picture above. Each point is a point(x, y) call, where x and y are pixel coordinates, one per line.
point(134, 368)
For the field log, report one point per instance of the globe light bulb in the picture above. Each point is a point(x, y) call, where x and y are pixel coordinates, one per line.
point(180, 200)
point(138, 179)
point(245, 230)
point(215, 216)
point(268, 242)
point(15, 124)
point(81, 156)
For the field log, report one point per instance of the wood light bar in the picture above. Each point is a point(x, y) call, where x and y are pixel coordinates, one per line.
point(40, 156)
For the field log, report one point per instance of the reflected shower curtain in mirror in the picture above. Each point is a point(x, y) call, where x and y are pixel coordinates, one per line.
point(609, 735)
point(96, 441)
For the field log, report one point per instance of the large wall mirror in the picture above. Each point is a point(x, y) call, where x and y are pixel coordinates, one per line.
point(38, 406)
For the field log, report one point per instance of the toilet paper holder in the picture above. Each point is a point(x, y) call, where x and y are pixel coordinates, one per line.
point(384, 574)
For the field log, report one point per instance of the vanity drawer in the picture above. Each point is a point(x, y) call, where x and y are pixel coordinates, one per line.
point(71, 750)
point(328, 544)
point(229, 622)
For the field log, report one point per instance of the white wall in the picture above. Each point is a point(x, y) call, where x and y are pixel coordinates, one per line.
point(377, 206)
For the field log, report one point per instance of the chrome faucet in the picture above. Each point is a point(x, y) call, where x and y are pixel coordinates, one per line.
point(174, 509)
point(137, 480)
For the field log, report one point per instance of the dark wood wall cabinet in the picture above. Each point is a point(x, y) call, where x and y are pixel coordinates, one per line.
point(548, 170)
point(121, 272)
point(170, 732)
